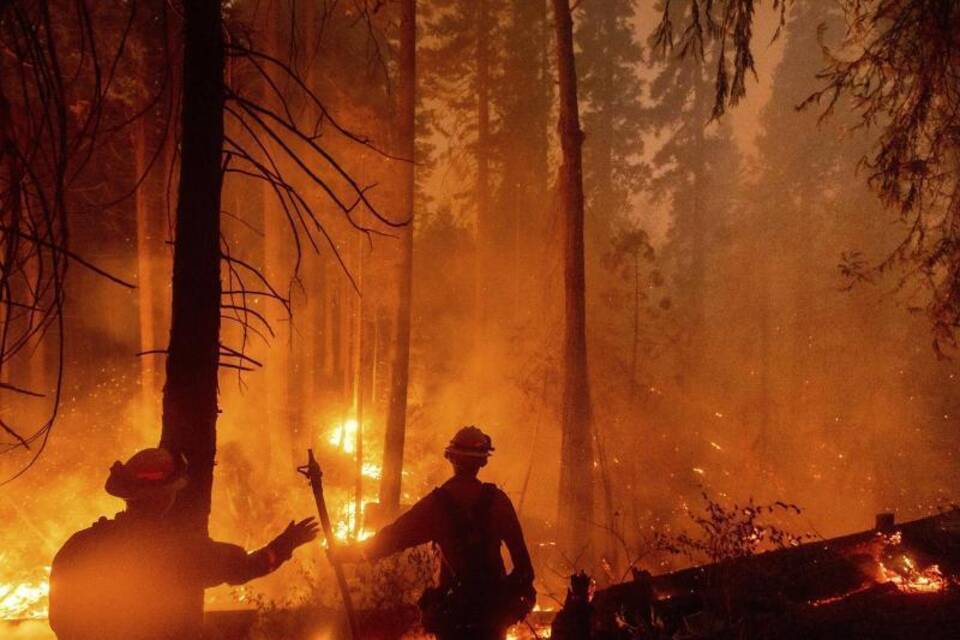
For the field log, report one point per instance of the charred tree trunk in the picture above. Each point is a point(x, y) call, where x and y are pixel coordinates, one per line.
point(190, 393)
point(406, 108)
point(576, 454)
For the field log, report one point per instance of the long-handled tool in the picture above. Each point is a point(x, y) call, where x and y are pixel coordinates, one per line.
point(312, 471)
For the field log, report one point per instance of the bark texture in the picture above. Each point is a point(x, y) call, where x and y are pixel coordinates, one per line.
point(576, 455)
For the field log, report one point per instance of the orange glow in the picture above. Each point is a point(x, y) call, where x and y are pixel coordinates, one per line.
point(25, 600)
point(909, 579)
point(343, 436)
point(896, 566)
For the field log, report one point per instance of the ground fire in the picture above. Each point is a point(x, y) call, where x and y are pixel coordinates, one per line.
point(479, 319)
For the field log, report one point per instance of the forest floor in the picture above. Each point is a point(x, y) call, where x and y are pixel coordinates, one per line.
point(881, 613)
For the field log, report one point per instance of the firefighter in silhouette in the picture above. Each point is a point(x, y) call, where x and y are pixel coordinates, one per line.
point(133, 577)
point(469, 520)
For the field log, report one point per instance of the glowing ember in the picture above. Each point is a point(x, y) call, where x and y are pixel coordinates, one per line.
point(526, 631)
point(908, 578)
point(899, 568)
point(24, 600)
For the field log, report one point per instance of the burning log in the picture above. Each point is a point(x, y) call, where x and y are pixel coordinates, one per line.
point(850, 574)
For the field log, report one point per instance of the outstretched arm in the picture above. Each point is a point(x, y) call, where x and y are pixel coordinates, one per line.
point(415, 527)
point(230, 563)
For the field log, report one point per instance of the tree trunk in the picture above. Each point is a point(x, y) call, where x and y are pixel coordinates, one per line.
point(359, 389)
point(576, 454)
point(635, 346)
point(278, 418)
point(525, 176)
point(146, 296)
point(485, 235)
point(406, 131)
point(11, 214)
point(190, 393)
point(597, 230)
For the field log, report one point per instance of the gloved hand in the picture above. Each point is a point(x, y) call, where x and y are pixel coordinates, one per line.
point(295, 535)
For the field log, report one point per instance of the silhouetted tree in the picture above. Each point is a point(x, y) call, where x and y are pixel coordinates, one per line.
point(695, 170)
point(462, 65)
point(523, 96)
point(406, 148)
point(576, 448)
point(613, 115)
point(265, 141)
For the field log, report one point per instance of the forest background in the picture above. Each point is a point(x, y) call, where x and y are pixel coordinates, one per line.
point(727, 350)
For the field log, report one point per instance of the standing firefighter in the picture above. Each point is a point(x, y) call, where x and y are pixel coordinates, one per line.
point(468, 520)
point(126, 577)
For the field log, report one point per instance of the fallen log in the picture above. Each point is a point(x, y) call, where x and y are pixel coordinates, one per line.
point(843, 576)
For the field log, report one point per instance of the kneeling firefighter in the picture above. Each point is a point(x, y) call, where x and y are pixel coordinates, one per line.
point(469, 520)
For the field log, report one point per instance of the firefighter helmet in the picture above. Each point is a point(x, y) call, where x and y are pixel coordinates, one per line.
point(470, 442)
point(148, 473)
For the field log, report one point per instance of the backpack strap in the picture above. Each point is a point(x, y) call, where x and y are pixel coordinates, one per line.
point(488, 493)
point(458, 516)
point(469, 525)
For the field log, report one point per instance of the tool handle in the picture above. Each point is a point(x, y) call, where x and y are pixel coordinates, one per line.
point(313, 472)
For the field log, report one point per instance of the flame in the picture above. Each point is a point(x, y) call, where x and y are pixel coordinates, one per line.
point(899, 568)
point(526, 631)
point(343, 436)
point(343, 439)
point(25, 600)
point(909, 579)
point(345, 522)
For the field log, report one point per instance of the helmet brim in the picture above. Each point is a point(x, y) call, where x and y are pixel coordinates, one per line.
point(127, 488)
point(468, 453)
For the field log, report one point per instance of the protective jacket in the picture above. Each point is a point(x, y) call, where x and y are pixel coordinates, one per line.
point(469, 521)
point(126, 578)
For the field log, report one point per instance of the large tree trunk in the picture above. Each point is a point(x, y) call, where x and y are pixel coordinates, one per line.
point(576, 454)
point(406, 131)
point(190, 393)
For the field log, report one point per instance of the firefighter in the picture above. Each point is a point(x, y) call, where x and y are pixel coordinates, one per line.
point(469, 520)
point(135, 576)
